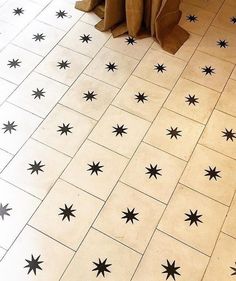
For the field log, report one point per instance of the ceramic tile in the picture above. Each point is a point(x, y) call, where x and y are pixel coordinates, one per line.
point(30, 246)
point(2, 253)
point(17, 126)
point(111, 67)
point(6, 89)
point(120, 131)
point(192, 100)
point(44, 3)
point(35, 168)
point(141, 98)
point(174, 134)
point(64, 130)
point(96, 249)
point(89, 96)
point(91, 169)
point(213, 175)
point(90, 18)
point(7, 33)
point(156, 172)
point(67, 209)
point(164, 253)
point(160, 68)
point(229, 225)
point(38, 94)
point(16, 63)
point(208, 71)
point(233, 76)
point(220, 134)
point(5, 158)
point(209, 5)
point(130, 211)
point(14, 214)
point(194, 222)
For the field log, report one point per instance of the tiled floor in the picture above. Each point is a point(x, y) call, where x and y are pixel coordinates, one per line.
point(117, 159)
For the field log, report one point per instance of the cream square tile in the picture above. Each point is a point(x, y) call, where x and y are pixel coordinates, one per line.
point(194, 222)
point(97, 249)
point(8, 32)
point(220, 134)
point(230, 224)
point(38, 38)
point(66, 207)
point(38, 94)
point(174, 133)
point(85, 39)
point(233, 76)
point(95, 169)
point(222, 264)
point(63, 65)
point(16, 208)
point(90, 18)
point(195, 19)
point(30, 246)
point(17, 126)
point(89, 96)
point(192, 100)
point(111, 67)
point(120, 131)
point(6, 89)
point(163, 251)
point(219, 43)
point(2, 253)
point(141, 98)
point(227, 101)
point(35, 168)
point(153, 172)
point(208, 71)
point(129, 210)
point(5, 158)
point(160, 68)
point(64, 130)
point(2, 2)
point(209, 5)
point(213, 175)
point(16, 63)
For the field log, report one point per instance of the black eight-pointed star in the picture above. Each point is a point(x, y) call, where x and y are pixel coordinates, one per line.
point(33, 264)
point(222, 43)
point(111, 66)
point(4, 210)
point(101, 267)
point(119, 130)
point(85, 38)
point(130, 40)
point(234, 270)
point(90, 96)
point(153, 171)
point(141, 97)
point(192, 18)
point(14, 63)
point(18, 11)
point(63, 64)
point(193, 218)
point(171, 270)
point(229, 134)
point(38, 37)
point(61, 14)
point(174, 132)
point(212, 173)
point(192, 100)
point(9, 127)
point(208, 70)
point(160, 67)
point(38, 93)
point(67, 212)
point(95, 168)
point(65, 129)
point(130, 215)
point(36, 167)
point(233, 20)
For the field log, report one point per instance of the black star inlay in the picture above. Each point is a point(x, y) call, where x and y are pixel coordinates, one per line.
point(90, 96)
point(234, 270)
point(130, 40)
point(33, 264)
point(192, 18)
point(229, 134)
point(65, 129)
point(174, 132)
point(67, 212)
point(38, 37)
point(130, 215)
point(222, 43)
point(208, 70)
point(101, 267)
point(9, 127)
point(63, 64)
point(171, 270)
point(193, 217)
point(18, 11)
point(4, 210)
point(119, 130)
point(95, 168)
point(61, 14)
point(111, 66)
point(233, 20)
point(36, 167)
point(85, 38)
point(212, 173)
point(38, 93)
point(160, 67)
point(14, 63)
point(153, 171)
point(192, 100)
point(141, 97)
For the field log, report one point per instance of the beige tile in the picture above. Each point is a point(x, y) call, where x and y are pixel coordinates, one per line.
point(138, 175)
point(98, 247)
point(227, 101)
point(174, 134)
point(2, 253)
point(120, 131)
point(220, 134)
point(90, 18)
point(230, 2)
point(163, 248)
point(8, 32)
point(233, 76)
point(141, 98)
point(134, 215)
point(194, 222)
point(208, 71)
point(192, 100)
point(5, 158)
point(210, 173)
point(160, 68)
point(209, 5)
point(6, 89)
point(230, 224)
